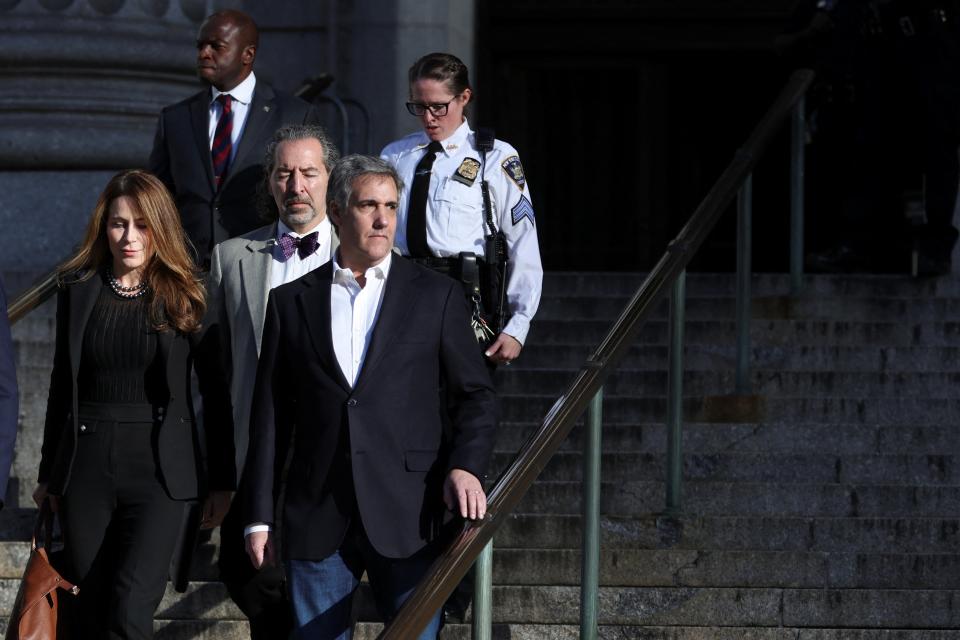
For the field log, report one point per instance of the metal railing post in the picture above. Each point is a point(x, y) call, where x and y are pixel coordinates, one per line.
point(675, 394)
point(797, 158)
point(483, 595)
point(744, 251)
point(590, 569)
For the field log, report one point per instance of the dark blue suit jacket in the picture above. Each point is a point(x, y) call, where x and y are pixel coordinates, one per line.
point(378, 449)
point(9, 401)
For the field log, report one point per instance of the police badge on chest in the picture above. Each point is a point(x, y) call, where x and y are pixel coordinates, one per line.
point(467, 172)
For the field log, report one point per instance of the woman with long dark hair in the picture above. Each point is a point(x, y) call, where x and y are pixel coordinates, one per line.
point(121, 453)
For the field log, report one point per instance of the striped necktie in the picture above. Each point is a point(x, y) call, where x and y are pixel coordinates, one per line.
point(222, 144)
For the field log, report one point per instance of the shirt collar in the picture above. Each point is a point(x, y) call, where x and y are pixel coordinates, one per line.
point(342, 275)
point(451, 144)
point(242, 93)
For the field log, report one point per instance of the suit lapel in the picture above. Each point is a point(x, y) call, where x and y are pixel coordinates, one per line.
point(199, 118)
point(83, 296)
point(255, 268)
point(399, 298)
point(262, 112)
point(314, 303)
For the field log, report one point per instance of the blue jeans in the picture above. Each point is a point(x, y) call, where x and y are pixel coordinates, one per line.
point(321, 591)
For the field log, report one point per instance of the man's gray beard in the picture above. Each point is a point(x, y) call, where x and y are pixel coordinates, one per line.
point(298, 219)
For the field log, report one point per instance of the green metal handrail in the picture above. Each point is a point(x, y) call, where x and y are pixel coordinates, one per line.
point(454, 562)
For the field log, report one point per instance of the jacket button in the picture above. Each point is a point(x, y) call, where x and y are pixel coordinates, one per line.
point(352, 402)
point(83, 428)
point(159, 411)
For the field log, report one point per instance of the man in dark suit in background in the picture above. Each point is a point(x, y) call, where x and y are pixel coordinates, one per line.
point(209, 148)
point(9, 400)
point(352, 358)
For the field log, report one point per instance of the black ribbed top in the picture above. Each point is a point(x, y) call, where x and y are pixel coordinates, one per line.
point(118, 356)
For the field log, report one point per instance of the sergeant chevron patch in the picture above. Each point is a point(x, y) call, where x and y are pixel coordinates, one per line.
point(523, 209)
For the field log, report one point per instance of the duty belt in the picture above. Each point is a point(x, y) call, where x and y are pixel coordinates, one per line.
point(469, 270)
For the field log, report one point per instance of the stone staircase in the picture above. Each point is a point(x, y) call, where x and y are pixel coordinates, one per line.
point(826, 508)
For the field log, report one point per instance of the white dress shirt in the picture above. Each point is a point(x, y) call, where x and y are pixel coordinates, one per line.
point(353, 314)
point(284, 270)
point(242, 95)
point(455, 218)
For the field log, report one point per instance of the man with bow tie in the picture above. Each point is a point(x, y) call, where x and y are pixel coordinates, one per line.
point(243, 270)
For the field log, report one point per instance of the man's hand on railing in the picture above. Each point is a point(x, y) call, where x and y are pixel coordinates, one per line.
point(462, 489)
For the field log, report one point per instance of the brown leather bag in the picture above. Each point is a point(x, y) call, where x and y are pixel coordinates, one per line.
point(34, 615)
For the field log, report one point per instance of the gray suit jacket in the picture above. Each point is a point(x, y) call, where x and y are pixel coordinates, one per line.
point(238, 286)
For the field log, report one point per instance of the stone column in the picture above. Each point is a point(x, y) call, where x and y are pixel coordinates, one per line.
point(81, 83)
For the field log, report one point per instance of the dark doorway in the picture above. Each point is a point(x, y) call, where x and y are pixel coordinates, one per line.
point(625, 114)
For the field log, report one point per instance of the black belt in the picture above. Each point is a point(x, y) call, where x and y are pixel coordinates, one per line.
point(445, 265)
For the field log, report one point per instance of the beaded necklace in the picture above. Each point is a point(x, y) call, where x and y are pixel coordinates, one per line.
point(135, 291)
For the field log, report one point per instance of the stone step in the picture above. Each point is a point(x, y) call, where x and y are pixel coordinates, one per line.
point(369, 631)
point(236, 630)
point(239, 630)
point(765, 382)
point(877, 410)
point(683, 606)
point(719, 606)
point(696, 568)
point(875, 469)
point(738, 533)
point(722, 357)
point(851, 309)
point(707, 331)
point(766, 437)
point(638, 498)
point(560, 283)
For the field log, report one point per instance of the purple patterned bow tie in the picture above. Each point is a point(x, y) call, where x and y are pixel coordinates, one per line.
point(304, 246)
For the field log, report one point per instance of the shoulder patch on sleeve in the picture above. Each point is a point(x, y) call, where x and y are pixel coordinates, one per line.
point(512, 167)
point(523, 209)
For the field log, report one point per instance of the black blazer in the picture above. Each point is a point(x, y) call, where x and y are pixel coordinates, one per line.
point(181, 159)
point(378, 449)
point(180, 447)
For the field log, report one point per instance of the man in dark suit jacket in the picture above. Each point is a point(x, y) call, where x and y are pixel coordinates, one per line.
point(352, 359)
point(9, 399)
point(209, 148)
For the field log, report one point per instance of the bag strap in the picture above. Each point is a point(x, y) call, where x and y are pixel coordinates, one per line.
point(43, 527)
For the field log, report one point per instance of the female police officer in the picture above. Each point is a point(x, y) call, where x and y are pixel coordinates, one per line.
point(442, 223)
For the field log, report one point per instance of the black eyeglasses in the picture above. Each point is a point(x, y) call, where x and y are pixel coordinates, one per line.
point(436, 109)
